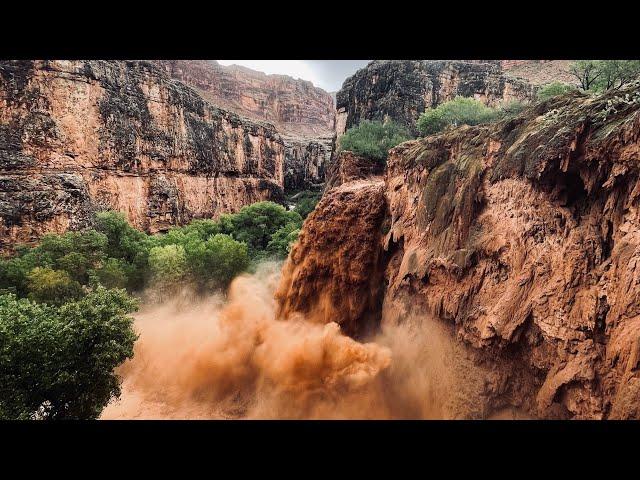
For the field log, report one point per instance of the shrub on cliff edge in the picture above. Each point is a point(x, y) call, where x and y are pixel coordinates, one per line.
point(374, 139)
point(553, 89)
point(459, 111)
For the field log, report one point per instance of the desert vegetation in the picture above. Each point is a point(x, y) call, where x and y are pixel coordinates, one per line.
point(374, 139)
point(464, 111)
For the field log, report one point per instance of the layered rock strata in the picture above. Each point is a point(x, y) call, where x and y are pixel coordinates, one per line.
point(522, 238)
point(81, 136)
point(302, 113)
point(401, 90)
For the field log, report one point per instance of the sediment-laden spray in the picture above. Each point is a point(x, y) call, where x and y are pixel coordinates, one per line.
point(233, 358)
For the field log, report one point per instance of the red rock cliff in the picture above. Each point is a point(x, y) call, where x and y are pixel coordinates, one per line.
point(294, 106)
point(302, 113)
point(522, 237)
point(78, 136)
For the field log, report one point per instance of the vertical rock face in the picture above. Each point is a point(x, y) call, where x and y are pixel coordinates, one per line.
point(306, 162)
point(77, 136)
point(402, 89)
point(522, 236)
point(301, 112)
point(294, 106)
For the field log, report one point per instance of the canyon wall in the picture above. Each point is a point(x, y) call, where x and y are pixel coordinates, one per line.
point(401, 90)
point(520, 238)
point(294, 106)
point(539, 72)
point(302, 113)
point(80, 136)
point(306, 162)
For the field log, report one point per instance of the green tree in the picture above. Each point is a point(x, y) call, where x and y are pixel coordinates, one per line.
point(586, 72)
point(305, 202)
point(459, 111)
point(254, 224)
point(14, 271)
point(74, 252)
point(55, 287)
point(114, 273)
point(374, 139)
point(168, 267)
point(553, 90)
point(214, 263)
point(58, 362)
point(615, 73)
point(282, 240)
point(123, 241)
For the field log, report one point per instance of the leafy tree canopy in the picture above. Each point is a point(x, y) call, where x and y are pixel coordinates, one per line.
point(58, 362)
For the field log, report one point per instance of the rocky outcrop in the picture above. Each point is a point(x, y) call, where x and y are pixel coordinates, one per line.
point(401, 90)
point(294, 106)
point(539, 72)
point(521, 237)
point(79, 136)
point(306, 161)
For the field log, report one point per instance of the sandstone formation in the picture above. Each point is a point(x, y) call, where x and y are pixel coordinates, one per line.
point(521, 237)
point(539, 72)
point(401, 90)
point(306, 161)
point(302, 113)
point(78, 136)
point(294, 106)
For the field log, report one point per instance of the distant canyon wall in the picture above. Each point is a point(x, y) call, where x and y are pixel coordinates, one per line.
point(80, 136)
point(302, 113)
point(401, 90)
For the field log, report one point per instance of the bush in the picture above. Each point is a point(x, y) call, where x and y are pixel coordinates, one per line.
point(554, 89)
point(114, 273)
point(599, 75)
point(168, 266)
point(304, 202)
point(217, 261)
point(282, 240)
point(55, 287)
point(256, 223)
point(208, 253)
point(58, 362)
point(459, 111)
point(374, 139)
point(123, 241)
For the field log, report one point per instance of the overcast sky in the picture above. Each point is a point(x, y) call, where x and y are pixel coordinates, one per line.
point(326, 74)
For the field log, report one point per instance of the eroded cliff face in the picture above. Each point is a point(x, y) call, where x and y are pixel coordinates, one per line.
point(80, 136)
point(522, 238)
point(401, 90)
point(303, 114)
point(306, 162)
point(294, 106)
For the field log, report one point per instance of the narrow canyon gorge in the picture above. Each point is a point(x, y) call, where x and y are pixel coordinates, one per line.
point(480, 270)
